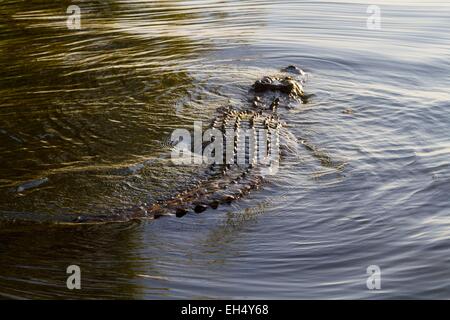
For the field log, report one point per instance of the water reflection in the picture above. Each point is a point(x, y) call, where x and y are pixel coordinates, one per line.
point(75, 104)
point(84, 114)
point(35, 259)
point(83, 122)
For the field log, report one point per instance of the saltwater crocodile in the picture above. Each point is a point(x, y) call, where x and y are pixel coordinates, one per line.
point(230, 180)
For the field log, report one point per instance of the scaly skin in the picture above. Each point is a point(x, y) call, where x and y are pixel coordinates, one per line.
point(227, 182)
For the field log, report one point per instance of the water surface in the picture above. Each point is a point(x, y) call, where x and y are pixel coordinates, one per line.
point(84, 120)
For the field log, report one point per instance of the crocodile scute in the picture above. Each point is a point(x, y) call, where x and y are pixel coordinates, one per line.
point(227, 182)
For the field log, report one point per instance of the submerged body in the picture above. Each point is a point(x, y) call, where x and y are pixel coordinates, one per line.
point(230, 180)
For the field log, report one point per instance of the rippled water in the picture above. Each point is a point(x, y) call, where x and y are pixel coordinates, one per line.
point(84, 120)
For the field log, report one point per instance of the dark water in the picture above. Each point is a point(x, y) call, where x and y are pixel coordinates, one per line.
point(84, 116)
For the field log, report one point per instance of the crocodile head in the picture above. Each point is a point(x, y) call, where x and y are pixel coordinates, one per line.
point(274, 91)
point(287, 85)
